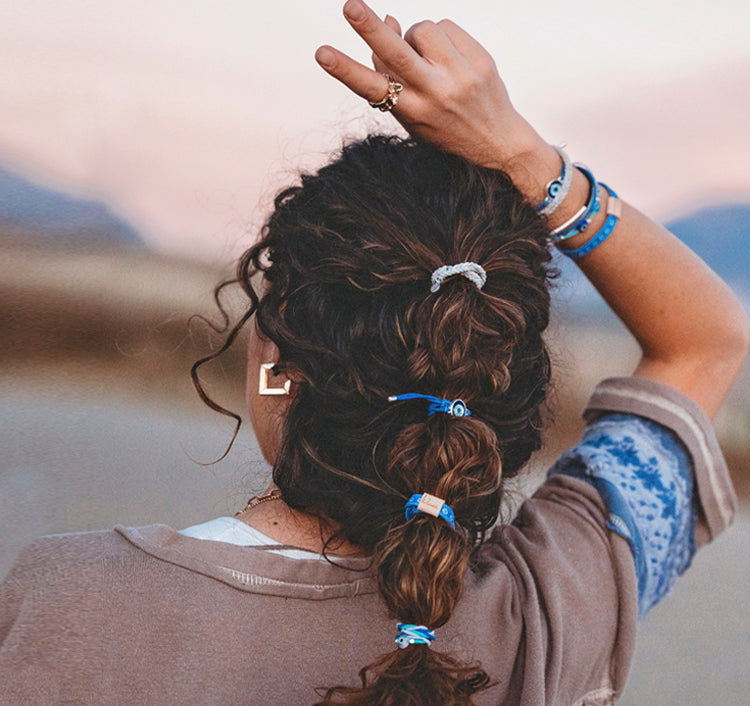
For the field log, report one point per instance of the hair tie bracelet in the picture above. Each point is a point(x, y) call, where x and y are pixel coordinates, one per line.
point(409, 634)
point(560, 233)
point(593, 206)
point(456, 408)
point(430, 505)
point(558, 188)
point(581, 221)
point(473, 272)
point(614, 211)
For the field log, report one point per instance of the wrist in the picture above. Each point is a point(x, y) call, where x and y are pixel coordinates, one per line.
point(531, 164)
point(532, 170)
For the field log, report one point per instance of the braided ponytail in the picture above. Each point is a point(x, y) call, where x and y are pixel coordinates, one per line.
point(421, 563)
point(347, 257)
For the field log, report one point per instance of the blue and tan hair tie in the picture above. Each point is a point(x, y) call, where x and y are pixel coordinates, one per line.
point(430, 505)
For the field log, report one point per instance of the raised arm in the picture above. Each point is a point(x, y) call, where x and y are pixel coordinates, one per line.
point(692, 330)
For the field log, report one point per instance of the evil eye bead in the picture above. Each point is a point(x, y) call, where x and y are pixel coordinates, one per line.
point(403, 642)
point(458, 408)
point(553, 188)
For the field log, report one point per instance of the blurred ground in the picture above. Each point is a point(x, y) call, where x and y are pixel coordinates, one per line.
point(99, 425)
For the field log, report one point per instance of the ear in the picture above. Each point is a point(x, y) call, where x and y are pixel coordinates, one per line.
point(267, 403)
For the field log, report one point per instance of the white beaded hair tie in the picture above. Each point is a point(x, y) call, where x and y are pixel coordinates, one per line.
point(470, 270)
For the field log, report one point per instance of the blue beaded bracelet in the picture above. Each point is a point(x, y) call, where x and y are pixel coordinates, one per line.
point(614, 210)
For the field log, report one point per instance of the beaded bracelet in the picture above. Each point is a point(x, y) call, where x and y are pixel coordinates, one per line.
point(581, 221)
point(614, 211)
point(557, 189)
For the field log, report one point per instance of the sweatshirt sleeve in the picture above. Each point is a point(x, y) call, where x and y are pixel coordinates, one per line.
point(653, 457)
point(715, 497)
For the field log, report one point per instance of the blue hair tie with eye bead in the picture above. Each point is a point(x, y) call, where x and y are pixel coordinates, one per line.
point(430, 505)
point(456, 408)
point(409, 634)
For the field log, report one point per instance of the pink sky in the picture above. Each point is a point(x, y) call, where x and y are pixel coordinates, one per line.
point(186, 121)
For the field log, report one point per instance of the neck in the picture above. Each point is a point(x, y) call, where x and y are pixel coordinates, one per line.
point(292, 527)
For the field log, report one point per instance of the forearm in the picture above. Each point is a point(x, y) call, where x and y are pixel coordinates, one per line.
point(691, 328)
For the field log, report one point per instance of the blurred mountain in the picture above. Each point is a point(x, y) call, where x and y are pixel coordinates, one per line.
point(31, 215)
point(42, 216)
point(719, 234)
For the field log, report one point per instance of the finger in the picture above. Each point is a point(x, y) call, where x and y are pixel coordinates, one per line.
point(393, 23)
point(431, 42)
point(386, 43)
point(380, 67)
point(362, 80)
point(464, 43)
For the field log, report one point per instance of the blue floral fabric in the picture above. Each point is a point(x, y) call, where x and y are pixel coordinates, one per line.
point(644, 474)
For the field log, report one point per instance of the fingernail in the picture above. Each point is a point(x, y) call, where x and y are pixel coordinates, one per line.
point(355, 11)
point(325, 57)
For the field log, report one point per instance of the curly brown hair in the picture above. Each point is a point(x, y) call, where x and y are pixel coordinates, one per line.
point(347, 258)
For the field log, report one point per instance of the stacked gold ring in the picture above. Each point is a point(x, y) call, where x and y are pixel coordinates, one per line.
point(391, 98)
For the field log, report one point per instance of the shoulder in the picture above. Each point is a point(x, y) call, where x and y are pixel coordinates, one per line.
point(63, 565)
point(71, 549)
point(563, 591)
point(52, 579)
point(559, 533)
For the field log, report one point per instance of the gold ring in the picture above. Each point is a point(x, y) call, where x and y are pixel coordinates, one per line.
point(391, 98)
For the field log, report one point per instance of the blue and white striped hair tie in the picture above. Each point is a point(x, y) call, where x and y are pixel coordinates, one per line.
point(473, 272)
point(409, 634)
point(456, 408)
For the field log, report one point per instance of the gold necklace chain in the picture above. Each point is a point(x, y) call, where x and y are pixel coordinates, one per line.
point(259, 499)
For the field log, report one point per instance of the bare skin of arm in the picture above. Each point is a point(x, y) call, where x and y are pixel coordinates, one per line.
point(692, 330)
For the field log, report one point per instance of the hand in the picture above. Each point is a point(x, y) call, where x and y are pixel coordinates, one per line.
point(453, 95)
